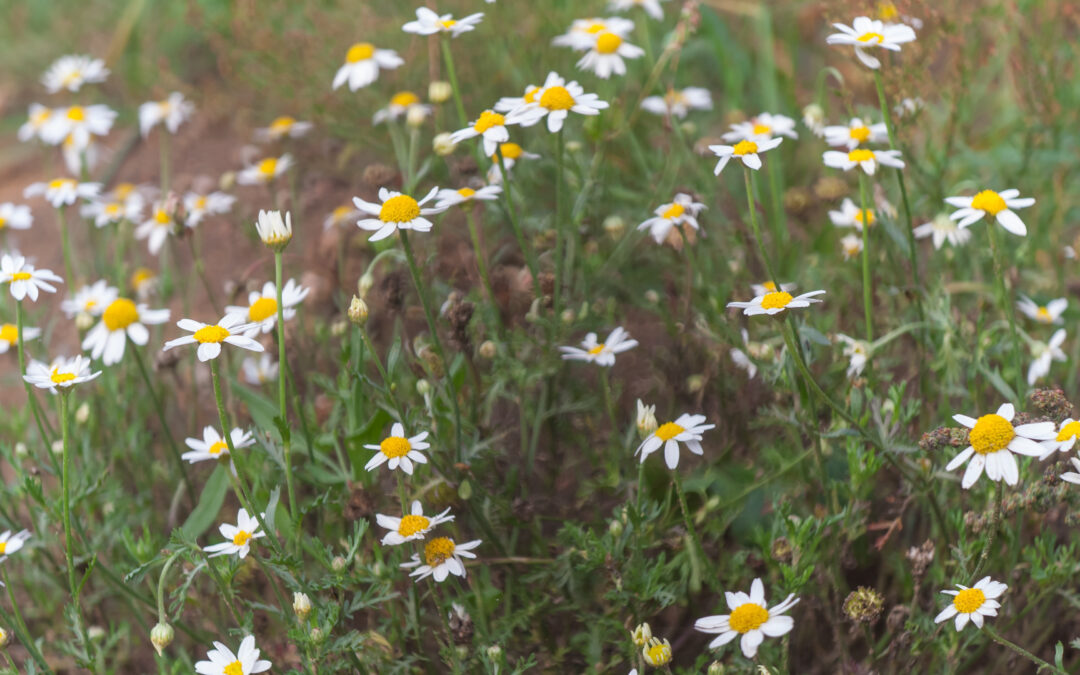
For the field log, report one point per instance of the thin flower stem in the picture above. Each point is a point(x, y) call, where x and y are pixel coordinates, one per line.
point(687, 520)
point(35, 407)
point(410, 161)
point(69, 538)
point(868, 290)
point(481, 264)
point(1042, 665)
point(995, 519)
point(558, 224)
point(757, 229)
point(382, 373)
point(608, 405)
point(526, 248)
point(20, 625)
point(162, 616)
point(165, 428)
point(448, 59)
point(65, 242)
point(226, 592)
point(286, 433)
point(163, 151)
point(1006, 306)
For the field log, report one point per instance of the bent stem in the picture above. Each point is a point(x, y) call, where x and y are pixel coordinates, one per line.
point(160, 410)
point(996, 637)
point(286, 434)
point(868, 290)
point(1007, 307)
point(995, 519)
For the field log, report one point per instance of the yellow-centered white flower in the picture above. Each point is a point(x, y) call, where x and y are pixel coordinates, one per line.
point(682, 210)
point(210, 337)
point(411, 526)
point(91, 300)
point(170, 112)
point(9, 336)
point(865, 33)
point(600, 353)
point(12, 543)
point(61, 373)
point(867, 160)
point(237, 537)
point(264, 170)
point(121, 320)
point(686, 429)
point(1044, 354)
point(402, 103)
point(850, 215)
point(23, 279)
point(71, 72)
point(606, 53)
point(996, 205)
point(855, 133)
point(15, 217)
point(750, 620)
point(63, 191)
point(973, 604)
point(36, 118)
point(198, 206)
point(110, 212)
point(555, 100)
point(76, 125)
point(447, 197)
point(943, 228)
point(214, 446)
point(1050, 313)
point(261, 311)
point(429, 22)
point(273, 229)
point(775, 302)
point(491, 126)
point(1067, 434)
point(156, 228)
point(993, 440)
point(362, 64)
point(222, 661)
point(763, 127)
point(442, 557)
point(396, 212)
point(397, 450)
point(744, 151)
point(678, 102)
point(283, 127)
point(583, 31)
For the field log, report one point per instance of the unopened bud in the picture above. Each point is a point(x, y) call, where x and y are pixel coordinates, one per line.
point(415, 116)
point(443, 144)
point(301, 604)
point(57, 446)
point(646, 420)
point(364, 284)
point(652, 297)
point(614, 226)
point(95, 632)
point(715, 668)
point(695, 383)
point(423, 387)
point(317, 635)
point(338, 328)
point(21, 450)
point(161, 637)
point(358, 311)
point(567, 316)
point(494, 652)
point(84, 321)
point(641, 634)
point(487, 349)
point(82, 414)
point(439, 91)
point(615, 527)
point(337, 564)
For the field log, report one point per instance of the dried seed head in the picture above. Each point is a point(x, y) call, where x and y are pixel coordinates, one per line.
point(864, 605)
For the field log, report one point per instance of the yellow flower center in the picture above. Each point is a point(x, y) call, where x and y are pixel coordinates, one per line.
point(361, 51)
point(404, 99)
point(395, 446)
point(410, 525)
point(467, 193)
point(268, 166)
point(9, 333)
point(860, 134)
point(530, 94)
point(608, 43)
point(595, 28)
point(282, 124)
point(860, 155)
point(262, 309)
point(991, 434)
point(869, 217)
point(76, 113)
point(141, 277)
point(487, 120)
point(112, 209)
point(597, 349)
point(668, 431)
point(438, 550)
point(876, 38)
point(969, 600)
point(748, 617)
point(762, 129)
point(511, 150)
point(241, 538)
point(3, 223)
point(448, 24)
point(556, 98)
point(659, 654)
point(73, 76)
point(989, 201)
point(60, 378)
point(123, 190)
point(776, 300)
point(887, 11)
point(234, 668)
point(218, 447)
point(673, 211)
point(41, 117)
point(211, 334)
point(744, 148)
point(3, 547)
point(399, 209)
point(1070, 430)
point(769, 286)
point(58, 183)
point(120, 314)
point(21, 276)
point(162, 217)
point(1043, 314)
point(200, 203)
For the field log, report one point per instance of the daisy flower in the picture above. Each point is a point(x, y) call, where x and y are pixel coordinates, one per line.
point(214, 446)
point(274, 231)
point(993, 439)
point(491, 125)
point(682, 210)
point(866, 33)
point(763, 127)
point(442, 557)
point(1050, 313)
point(750, 618)
point(258, 373)
point(72, 72)
point(511, 153)
point(769, 287)
point(121, 320)
point(867, 160)
point(556, 100)
point(651, 7)
point(37, 117)
point(446, 198)
point(238, 536)
point(943, 228)
point(511, 103)
point(261, 311)
point(606, 54)
point(397, 211)
point(362, 64)
point(145, 282)
point(15, 217)
point(1068, 432)
point(1072, 476)
point(813, 116)
point(9, 335)
point(429, 23)
point(409, 527)
point(210, 336)
point(62, 372)
point(745, 151)
point(265, 170)
point(997, 205)
point(398, 450)
point(856, 133)
point(346, 213)
point(172, 112)
point(23, 279)
point(63, 191)
point(857, 352)
point(600, 353)
point(646, 419)
point(850, 215)
point(199, 206)
point(90, 300)
point(109, 212)
point(11, 543)
point(223, 662)
point(678, 102)
point(775, 302)
point(401, 103)
point(973, 604)
point(657, 652)
point(155, 229)
point(583, 31)
point(1045, 353)
point(75, 125)
point(283, 127)
point(685, 429)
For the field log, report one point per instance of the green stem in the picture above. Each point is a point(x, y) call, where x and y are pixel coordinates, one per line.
point(608, 406)
point(526, 248)
point(165, 428)
point(868, 290)
point(35, 408)
point(162, 616)
point(481, 263)
point(448, 59)
point(20, 626)
point(819, 459)
point(286, 434)
point(558, 224)
point(69, 538)
point(163, 150)
point(757, 229)
point(995, 519)
point(65, 242)
point(996, 637)
point(382, 373)
point(687, 520)
point(1007, 307)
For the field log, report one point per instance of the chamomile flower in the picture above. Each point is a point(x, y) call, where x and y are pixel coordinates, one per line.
point(109, 212)
point(214, 446)
point(678, 102)
point(11, 543)
point(274, 231)
point(62, 372)
point(750, 620)
point(238, 537)
point(1044, 354)
point(943, 228)
point(651, 7)
point(856, 133)
point(442, 557)
point(583, 31)
point(77, 124)
point(362, 64)
point(511, 153)
point(396, 212)
point(171, 112)
point(72, 72)
point(997, 205)
point(776, 302)
point(606, 54)
point(155, 229)
point(511, 103)
point(265, 170)
point(446, 198)
point(259, 372)
point(686, 429)
point(346, 214)
point(1072, 476)
point(857, 352)
point(261, 311)
point(850, 215)
point(993, 441)
point(646, 419)
point(145, 282)
point(769, 287)
point(1050, 313)
point(198, 206)
point(682, 210)
point(973, 604)
point(223, 662)
point(813, 116)
point(1067, 434)
point(763, 127)
point(15, 217)
point(867, 160)
point(744, 151)
point(23, 279)
point(63, 191)
point(490, 125)
point(600, 353)
point(91, 300)
point(429, 23)
point(210, 336)
point(37, 117)
point(556, 100)
point(410, 527)
point(400, 104)
point(122, 320)
point(9, 335)
point(283, 127)
point(398, 450)
point(657, 652)
point(866, 33)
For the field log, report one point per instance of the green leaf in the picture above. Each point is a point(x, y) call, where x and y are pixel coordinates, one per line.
point(210, 501)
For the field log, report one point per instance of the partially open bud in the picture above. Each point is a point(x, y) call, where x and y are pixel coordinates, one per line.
point(641, 634)
point(274, 230)
point(5, 638)
point(646, 419)
point(301, 604)
point(161, 636)
point(358, 311)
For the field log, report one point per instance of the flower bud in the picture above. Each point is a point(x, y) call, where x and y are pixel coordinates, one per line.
point(567, 316)
point(615, 527)
point(364, 284)
point(338, 328)
point(641, 634)
point(161, 637)
point(301, 604)
point(84, 321)
point(657, 652)
point(82, 414)
point(487, 349)
point(337, 564)
point(318, 635)
point(358, 311)
point(57, 446)
point(715, 668)
point(95, 632)
point(443, 144)
point(415, 116)
point(864, 605)
point(21, 450)
point(439, 91)
point(423, 387)
point(652, 297)
point(646, 419)
point(614, 226)
point(813, 117)
point(274, 230)
point(5, 638)
point(494, 652)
